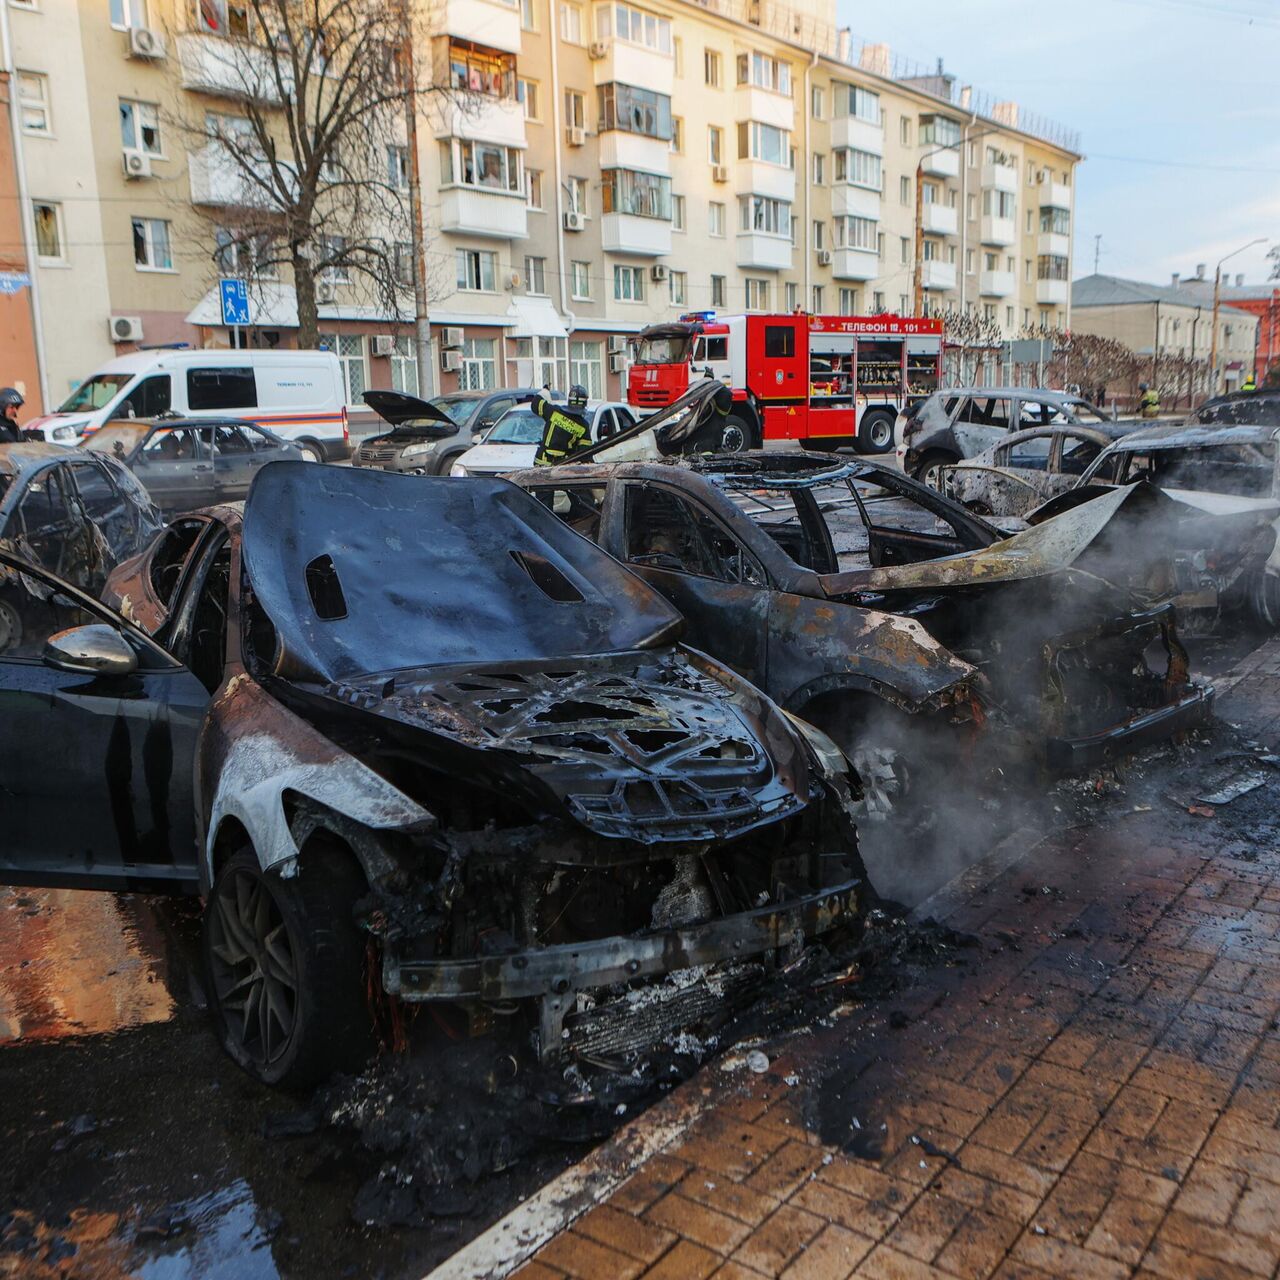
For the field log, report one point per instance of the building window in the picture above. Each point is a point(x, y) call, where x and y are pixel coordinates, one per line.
point(757, 291)
point(622, 106)
point(575, 109)
point(479, 370)
point(858, 168)
point(856, 233)
point(580, 280)
point(764, 214)
point(133, 13)
point(1055, 221)
point(677, 134)
point(904, 250)
point(49, 238)
point(475, 270)
point(529, 14)
point(481, 164)
point(717, 291)
point(1000, 204)
point(792, 295)
point(1011, 264)
point(1028, 273)
point(586, 366)
point(533, 188)
point(628, 284)
point(877, 303)
point(140, 127)
point(989, 312)
point(679, 288)
point(904, 190)
point(712, 68)
point(571, 23)
point(853, 100)
point(939, 131)
point(633, 26)
point(715, 219)
point(1008, 317)
point(764, 72)
point(816, 301)
point(404, 366)
point(819, 235)
point(848, 302)
point(677, 50)
point(764, 142)
point(677, 213)
point(819, 168)
point(815, 102)
point(151, 247)
point(715, 144)
point(643, 195)
point(33, 103)
point(904, 131)
point(349, 348)
point(398, 167)
point(880, 245)
point(576, 195)
point(333, 250)
point(483, 71)
point(401, 264)
point(1050, 266)
point(527, 92)
point(968, 262)
point(248, 256)
point(535, 275)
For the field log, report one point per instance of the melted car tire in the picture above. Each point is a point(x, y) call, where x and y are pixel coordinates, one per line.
point(330, 1027)
point(1264, 599)
point(934, 458)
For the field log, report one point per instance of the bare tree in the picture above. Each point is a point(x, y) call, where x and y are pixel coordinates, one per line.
point(313, 172)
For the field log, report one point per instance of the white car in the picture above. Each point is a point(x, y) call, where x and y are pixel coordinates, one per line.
point(512, 442)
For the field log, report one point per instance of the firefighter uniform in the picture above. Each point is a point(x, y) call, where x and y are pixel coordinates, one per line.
point(564, 434)
point(1249, 384)
point(1149, 402)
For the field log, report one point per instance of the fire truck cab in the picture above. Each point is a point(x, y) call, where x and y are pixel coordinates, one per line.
point(824, 381)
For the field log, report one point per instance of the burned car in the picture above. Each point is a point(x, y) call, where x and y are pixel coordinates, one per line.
point(419, 721)
point(878, 609)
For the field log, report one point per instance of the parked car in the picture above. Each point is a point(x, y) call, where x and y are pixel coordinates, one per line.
point(428, 436)
point(889, 615)
point(418, 714)
point(187, 463)
point(299, 395)
point(76, 514)
point(951, 425)
point(1028, 467)
point(1240, 409)
point(513, 442)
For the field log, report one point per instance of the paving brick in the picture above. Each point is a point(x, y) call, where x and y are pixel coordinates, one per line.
point(870, 1217)
point(537, 1271)
point(785, 1170)
point(698, 1222)
point(687, 1261)
point(772, 1245)
point(863, 1180)
point(586, 1260)
point(927, 1226)
point(734, 1198)
point(736, 1151)
point(1011, 1172)
point(831, 1255)
point(1259, 1255)
point(1125, 1229)
point(978, 1245)
point(885, 1263)
point(1061, 1258)
point(1134, 1111)
point(625, 1232)
point(1258, 1211)
point(1210, 1193)
point(1173, 1263)
point(983, 1193)
point(1054, 1141)
point(658, 1175)
point(1072, 1207)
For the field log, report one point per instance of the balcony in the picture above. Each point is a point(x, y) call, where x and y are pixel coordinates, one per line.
point(752, 103)
point(941, 164)
point(481, 118)
point(855, 264)
point(857, 202)
point(1053, 244)
point(997, 230)
point(938, 275)
point(939, 219)
point(632, 64)
point(764, 252)
point(629, 233)
point(755, 177)
point(1052, 292)
point(996, 284)
point(475, 211)
point(1000, 177)
point(485, 22)
point(227, 68)
point(1055, 195)
point(849, 131)
point(622, 150)
point(218, 180)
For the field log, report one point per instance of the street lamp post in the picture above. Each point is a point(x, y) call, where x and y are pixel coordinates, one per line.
point(1217, 298)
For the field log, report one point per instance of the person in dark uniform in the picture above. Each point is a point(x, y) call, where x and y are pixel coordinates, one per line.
point(566, 431)
point(10, 433)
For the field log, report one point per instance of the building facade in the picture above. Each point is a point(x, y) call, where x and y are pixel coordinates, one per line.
point(587, 167)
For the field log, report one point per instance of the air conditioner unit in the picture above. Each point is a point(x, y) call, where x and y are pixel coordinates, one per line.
point(658, 272)
point(136, 164)
point(514, 280)
point(617, 361)
point(453, 336)
point(325, 291)
point(598, 49)
point(824, 257)
point(383, 344)
point(451, 361)
point(145, 43)
point(574, 221)
point(617, 344)
point(719, 173)
point(125, 328)
point(576, 135)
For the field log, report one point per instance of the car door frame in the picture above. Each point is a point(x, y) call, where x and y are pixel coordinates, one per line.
point(177, 499)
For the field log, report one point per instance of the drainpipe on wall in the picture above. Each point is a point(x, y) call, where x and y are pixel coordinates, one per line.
point(558, 139)
point(806, 105)
point(24, 202)
point(964, 210)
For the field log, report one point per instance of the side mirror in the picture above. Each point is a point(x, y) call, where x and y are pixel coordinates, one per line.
point(95, 649)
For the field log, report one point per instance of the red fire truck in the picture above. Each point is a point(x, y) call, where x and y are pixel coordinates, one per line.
point(821, 380)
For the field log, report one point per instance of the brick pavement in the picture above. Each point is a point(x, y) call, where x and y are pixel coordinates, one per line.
point(1092, 1092)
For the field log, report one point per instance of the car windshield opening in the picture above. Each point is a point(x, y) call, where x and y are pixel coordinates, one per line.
point(117, 441)
point(520, 426)
point(98, 392)
point(461, 409)
point(1240, 470)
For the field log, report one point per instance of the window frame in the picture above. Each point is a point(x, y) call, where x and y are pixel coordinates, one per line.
point(26, 105)
point(149, 241)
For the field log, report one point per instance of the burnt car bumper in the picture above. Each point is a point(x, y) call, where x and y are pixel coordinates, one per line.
point(1193, 708)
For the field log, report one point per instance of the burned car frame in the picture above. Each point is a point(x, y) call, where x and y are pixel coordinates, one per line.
point(930, 612)
point(419, 711)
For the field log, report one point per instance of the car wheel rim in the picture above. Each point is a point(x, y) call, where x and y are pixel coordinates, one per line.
point(933, 476)
point(881, 433)
point(732, 440)
point(310, 455)
point(10, 627)
point(883, 775)
point(254, 970)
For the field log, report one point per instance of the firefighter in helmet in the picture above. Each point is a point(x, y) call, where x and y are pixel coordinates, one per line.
point(1249, 384)
point(566, 431)
point(1148, 401)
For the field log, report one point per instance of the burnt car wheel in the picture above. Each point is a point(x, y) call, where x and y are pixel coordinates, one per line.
point(285, 969)
point(929, 468)
point(10, 627)
point(1264, 599)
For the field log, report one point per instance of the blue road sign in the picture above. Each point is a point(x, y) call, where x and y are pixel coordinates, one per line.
point(235, 302)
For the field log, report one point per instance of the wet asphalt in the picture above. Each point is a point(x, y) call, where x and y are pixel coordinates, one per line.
point(130, 1146)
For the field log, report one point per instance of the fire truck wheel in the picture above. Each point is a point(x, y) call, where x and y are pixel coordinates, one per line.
point(735, 435)
point(875, 433)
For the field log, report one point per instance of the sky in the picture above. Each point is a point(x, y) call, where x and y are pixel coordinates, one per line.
point(1186, 87)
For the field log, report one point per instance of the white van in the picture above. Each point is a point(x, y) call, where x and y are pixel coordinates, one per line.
point(298, 395)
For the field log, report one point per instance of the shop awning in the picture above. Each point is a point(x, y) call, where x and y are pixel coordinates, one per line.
point(535, 318)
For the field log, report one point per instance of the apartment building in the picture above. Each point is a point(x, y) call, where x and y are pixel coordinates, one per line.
point(588, 167)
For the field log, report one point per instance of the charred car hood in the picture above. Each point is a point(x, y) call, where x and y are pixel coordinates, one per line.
point(466, 619)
